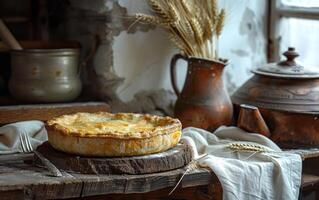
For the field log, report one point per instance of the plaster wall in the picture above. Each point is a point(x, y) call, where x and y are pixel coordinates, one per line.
point(130, 65)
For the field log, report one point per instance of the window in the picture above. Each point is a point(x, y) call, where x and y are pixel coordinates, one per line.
point(295, 23)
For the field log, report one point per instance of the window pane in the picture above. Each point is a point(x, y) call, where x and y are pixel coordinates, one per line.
point(301, 3)
point(303, 34)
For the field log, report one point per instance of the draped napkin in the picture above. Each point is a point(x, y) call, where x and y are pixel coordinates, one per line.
point(246, 175)
point(9, 135)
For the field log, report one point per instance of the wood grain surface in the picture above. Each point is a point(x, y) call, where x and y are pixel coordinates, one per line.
point(20, 180)
point(24, 181)
point(174, 158)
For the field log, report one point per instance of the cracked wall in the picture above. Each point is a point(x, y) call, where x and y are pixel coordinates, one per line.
point(128, 64)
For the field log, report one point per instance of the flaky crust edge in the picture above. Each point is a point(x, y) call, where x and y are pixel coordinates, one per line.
point(172, 125)
point(112, 147)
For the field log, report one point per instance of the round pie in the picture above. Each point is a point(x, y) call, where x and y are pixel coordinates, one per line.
point(111, 135)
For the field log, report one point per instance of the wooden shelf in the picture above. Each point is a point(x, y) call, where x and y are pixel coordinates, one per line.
point(10, 114)
point(16, 19)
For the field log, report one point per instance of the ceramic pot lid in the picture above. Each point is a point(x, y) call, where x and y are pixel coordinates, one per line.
point(288, 68)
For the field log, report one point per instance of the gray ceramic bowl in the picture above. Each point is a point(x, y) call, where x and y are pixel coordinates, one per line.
point(45, 75)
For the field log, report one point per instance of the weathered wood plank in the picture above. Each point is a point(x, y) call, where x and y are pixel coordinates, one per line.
point(191, 193)
point(126, 184)
point(174, 158)
point(12, 194)
point(9, 114)
point(305, 153)
point(34, 182)
point(20, 179)
point(311, 166)
point(17, 157)
point(309, 180)
point(310, 157)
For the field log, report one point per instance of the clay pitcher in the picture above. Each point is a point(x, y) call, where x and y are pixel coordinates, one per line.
point(204, 101)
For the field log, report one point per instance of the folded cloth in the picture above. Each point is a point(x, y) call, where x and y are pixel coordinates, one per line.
point(9, 135)
point(273, 174)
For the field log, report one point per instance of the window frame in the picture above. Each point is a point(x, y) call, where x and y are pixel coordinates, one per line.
point(278, 10)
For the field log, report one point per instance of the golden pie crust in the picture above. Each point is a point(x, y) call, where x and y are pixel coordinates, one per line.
point(110, 135)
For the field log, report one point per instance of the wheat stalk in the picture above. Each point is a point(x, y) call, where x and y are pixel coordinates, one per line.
point(213, 10)
point(187, 27)
point(186, 5)
point(149, 19)
point(220, 22)
point(173, 13)
point(207, 31)
point(181, 45)
point(191, 166)
point(159, 10)
point(198, 31)
point(247, 147)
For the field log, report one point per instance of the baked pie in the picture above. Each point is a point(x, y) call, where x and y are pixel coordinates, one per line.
point(110, 135)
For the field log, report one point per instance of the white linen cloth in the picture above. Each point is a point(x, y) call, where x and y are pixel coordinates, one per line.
point(246, 175)
point(9, 135)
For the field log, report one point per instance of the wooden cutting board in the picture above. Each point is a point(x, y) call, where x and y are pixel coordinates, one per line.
point(174, 158)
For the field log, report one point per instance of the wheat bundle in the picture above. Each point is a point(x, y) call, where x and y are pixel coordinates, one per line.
point(194, 26)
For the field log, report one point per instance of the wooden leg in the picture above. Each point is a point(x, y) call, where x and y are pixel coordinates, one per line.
point(216, 191)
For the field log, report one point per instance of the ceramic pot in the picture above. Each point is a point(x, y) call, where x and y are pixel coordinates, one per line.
point(287, 96)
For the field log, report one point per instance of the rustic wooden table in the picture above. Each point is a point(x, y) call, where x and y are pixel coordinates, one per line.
point(22, 180)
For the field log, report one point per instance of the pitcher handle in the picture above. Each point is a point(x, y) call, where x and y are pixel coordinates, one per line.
point(174, 60)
